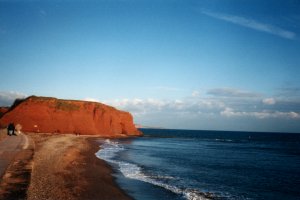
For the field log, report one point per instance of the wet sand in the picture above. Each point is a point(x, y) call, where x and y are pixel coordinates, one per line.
point(65, 167)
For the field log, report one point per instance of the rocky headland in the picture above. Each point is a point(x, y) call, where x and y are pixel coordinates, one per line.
point(52, 115)
point(57, 160)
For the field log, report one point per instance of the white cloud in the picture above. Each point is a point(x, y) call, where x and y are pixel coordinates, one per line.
point(269, 101)
point(195, 93)
point(7, 98)
point(140, 107)
point(91, 99)
point(252, 24)
point(229, 112)
point(219, 103)
point(204, 106)
point(294, 115)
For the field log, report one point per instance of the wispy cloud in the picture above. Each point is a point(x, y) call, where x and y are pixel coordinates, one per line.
point(290, 92)
point(219, 108)
point(208, 114)
point(229, 112)
point(204, 107)
point(195, 93)
point(269, 101)
point(172, 107)
point(231, 92)
point(252, 24)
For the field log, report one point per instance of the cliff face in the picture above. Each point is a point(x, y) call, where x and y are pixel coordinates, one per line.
point(51, 115)
point(3, 110)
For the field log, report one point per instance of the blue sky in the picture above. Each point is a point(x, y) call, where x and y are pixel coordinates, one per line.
point(219, 65)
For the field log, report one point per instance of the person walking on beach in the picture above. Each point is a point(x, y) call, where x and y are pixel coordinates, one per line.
point(11, 129)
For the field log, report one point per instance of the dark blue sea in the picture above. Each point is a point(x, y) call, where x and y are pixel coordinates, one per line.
point(184, 164)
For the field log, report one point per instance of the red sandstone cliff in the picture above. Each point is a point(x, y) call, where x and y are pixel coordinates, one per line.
point(51, 115)
point(3, 110)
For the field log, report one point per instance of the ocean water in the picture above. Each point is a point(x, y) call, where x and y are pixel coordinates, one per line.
point(183, 164)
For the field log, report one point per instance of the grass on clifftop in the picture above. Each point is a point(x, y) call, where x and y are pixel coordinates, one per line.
point(66, 106)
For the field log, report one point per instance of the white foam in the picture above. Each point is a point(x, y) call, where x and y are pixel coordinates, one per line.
point(224, 140)
point(108, 151)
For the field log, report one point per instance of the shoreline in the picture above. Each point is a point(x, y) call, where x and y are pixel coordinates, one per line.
point(111, 191)
point(65, 166)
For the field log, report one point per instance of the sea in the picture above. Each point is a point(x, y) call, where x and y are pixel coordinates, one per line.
point(193, 165)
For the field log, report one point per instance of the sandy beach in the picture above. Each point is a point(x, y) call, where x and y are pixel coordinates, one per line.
point(60, 166)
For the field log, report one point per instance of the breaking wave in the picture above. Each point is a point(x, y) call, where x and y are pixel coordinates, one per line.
point(108, 152)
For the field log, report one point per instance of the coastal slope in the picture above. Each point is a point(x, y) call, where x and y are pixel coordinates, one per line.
point(52, 115)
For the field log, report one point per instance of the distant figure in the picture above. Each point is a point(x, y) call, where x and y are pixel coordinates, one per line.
point(18, 129)
point(11, 129)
